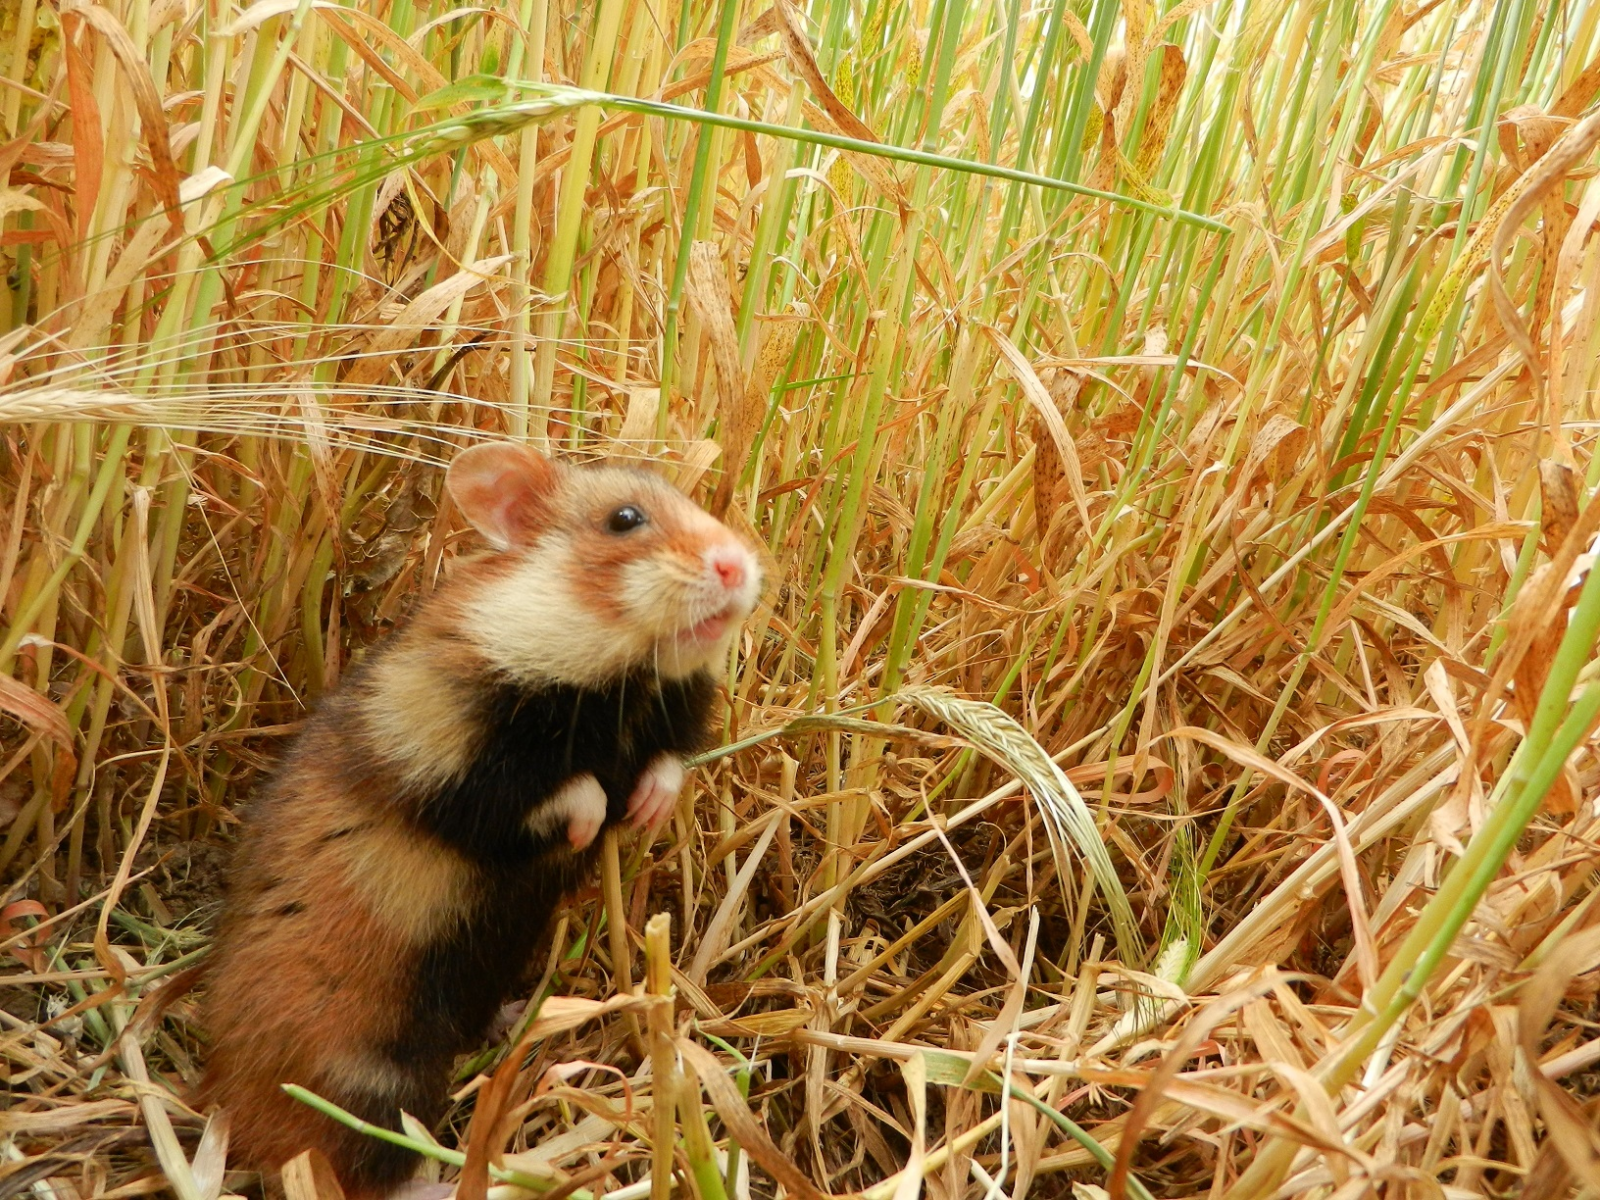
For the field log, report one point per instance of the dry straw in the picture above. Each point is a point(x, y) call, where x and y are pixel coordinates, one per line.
point(1163, 763)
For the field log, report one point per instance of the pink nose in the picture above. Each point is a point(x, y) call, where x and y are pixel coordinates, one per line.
point(729, 565)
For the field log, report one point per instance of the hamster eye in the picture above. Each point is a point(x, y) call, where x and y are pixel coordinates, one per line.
point(625, 518)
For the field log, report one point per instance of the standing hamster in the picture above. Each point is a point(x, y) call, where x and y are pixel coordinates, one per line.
point(404, 862)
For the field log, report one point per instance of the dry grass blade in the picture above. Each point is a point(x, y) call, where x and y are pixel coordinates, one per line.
point(1183, 417)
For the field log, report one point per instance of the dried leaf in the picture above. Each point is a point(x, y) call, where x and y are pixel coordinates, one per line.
point(152, 114)
point(736, 1115)
point(48, 721)
point(834, 115)
point(1158, 121)
point(1571, 1132)
point(402, 331)
point(1558, 513)
point(1549, 172)
point(712, 300)
point(1049, 414)
point(309, 1176)
point(88, 138)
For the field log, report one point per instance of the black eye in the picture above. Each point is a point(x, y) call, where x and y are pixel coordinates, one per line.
point(625, 518)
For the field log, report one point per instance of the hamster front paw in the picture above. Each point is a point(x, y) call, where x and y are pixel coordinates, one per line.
point(579, 806)
point(656, 792)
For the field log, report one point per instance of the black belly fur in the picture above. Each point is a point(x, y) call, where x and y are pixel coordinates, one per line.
point(534, 742)
point(537, 741)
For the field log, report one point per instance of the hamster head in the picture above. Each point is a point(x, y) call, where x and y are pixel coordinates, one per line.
point(598, 571)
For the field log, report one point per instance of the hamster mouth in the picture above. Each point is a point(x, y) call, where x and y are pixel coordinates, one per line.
point(705, 632)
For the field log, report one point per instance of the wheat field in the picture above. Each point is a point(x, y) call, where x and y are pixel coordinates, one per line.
point(1162, 763)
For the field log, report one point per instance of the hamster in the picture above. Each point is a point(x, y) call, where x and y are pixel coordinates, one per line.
point(404, 862)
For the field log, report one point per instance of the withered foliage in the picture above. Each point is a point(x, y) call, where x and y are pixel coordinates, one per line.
point(1273, 538)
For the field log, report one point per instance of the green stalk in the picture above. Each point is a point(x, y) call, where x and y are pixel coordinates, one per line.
point(535, 15)
point(110, 473)
point(454, 1158)
point(509, 118)
point(670, 365)
point(570, 208)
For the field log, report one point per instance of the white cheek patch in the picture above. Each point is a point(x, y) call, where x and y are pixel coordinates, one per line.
point(667, 596)
point(649, 592)
point(664, 598)
point(530, 625)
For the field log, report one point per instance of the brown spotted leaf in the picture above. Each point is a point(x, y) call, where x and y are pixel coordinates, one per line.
point(1158, 122)
point(1558, 512)
point(712, 301)
point(834, 115)
point(1045, 408)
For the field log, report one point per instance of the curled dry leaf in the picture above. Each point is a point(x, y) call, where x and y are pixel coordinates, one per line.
point(1570, 1130)
point(49, 723)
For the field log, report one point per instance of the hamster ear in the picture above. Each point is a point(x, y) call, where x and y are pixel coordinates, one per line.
point(504, 490)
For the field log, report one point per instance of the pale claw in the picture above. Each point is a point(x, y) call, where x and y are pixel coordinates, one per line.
point(656, 793)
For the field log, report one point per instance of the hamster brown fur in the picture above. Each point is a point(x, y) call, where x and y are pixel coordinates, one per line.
point(404, 863)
